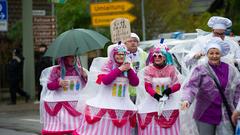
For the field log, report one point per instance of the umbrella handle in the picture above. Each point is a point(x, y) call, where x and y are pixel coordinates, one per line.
point(83, 77)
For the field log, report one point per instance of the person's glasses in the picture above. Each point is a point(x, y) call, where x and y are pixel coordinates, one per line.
point(157, 56)
point(219, 34)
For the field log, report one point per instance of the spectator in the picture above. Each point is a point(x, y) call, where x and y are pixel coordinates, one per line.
point(15, 75)
point(41, 63)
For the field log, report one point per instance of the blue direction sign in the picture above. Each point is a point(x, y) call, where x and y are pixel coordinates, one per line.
point(3, 10)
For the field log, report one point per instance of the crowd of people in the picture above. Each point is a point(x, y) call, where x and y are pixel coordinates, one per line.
point(135, 92)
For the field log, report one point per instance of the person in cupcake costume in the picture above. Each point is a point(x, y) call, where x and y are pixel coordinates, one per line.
point(62, 85)
point(111, 111)
point(158, 109)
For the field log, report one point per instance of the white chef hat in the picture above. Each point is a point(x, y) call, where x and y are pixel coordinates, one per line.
point(218, 43)
point(134, 35)
point(218, 22)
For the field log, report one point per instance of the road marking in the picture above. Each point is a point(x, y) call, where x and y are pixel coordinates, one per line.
point(32, 120)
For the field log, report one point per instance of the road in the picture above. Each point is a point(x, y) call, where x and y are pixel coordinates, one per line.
point(20, 119)
point(13, 132)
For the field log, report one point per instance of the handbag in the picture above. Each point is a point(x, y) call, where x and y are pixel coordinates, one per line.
point(221, 90)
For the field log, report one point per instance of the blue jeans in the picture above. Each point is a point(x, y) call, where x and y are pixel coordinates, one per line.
point(238, 128)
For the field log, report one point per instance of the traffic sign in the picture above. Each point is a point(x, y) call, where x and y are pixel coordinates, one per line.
point(110, 7)
point(44, 34)
point(3, 15)
point(38, 12)
point(3, 10)
point(58, 1)
point(44, 30)
point(44, 27)
point(38, 41)
point(44, 19)
point(105, 20)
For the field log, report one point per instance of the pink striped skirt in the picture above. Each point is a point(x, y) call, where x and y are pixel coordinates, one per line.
point(100, 121)
point(152, 124)
point(60, 117)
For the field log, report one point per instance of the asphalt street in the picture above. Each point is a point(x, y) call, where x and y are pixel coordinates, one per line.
point(20, 119)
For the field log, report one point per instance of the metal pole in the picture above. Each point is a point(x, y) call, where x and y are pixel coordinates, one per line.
point(143, 21)
point(53, 14)
point(53, 8)
point(27, 43)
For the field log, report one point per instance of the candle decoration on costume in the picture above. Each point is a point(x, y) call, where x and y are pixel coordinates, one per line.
point(78, 85)
point(119, 90)
point(71, 85)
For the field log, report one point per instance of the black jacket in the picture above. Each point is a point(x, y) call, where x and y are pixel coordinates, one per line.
point(15, 68)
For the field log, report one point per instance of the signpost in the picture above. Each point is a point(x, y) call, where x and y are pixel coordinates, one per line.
point(58, 1)
point(112, 7)
point(104, 13)
point(38, 12)
point(3, 15)
point(105, 20)
point(44, 30)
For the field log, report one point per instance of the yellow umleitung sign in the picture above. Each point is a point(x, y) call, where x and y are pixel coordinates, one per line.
point(105, 20)
point(110, 7)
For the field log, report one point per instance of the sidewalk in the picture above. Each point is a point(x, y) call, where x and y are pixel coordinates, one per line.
point(20, 106)
point(22, 117)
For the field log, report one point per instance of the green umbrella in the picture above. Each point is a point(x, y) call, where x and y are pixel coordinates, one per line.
point(76, 41)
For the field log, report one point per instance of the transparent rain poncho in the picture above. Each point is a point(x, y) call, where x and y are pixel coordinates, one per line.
point(52, 97)
point(161, 116)
point(198, 46)
point(193, 92)
point(96, 98)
